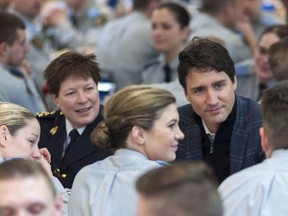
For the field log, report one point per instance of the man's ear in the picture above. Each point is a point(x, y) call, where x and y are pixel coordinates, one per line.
point(264, 142)
point(235, 83)
point(138, 135)
point(3, 48)
point(4, 133)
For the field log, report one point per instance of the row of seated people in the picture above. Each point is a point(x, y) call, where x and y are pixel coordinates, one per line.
point(50, 27)
point(140, 128)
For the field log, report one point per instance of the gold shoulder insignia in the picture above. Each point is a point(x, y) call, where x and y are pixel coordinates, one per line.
point(45, 114)
point(53, 130)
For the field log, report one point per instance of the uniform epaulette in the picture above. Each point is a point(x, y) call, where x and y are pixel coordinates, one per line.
point(48, 114)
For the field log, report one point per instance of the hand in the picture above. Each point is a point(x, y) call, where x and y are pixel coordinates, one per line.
point(46, 154)
point(43, 161)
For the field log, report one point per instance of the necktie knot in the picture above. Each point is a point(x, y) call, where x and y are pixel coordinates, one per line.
point(73, 135)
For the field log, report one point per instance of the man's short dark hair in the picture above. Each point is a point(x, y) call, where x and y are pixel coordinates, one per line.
point(9, 24)
point(204, 55)
point(21, 168)
point(274, 104)
point(184, 188)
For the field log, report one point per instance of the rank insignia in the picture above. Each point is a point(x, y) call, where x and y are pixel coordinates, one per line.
point(53, 130)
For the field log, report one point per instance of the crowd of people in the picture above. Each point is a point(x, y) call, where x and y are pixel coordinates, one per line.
point(196, 124)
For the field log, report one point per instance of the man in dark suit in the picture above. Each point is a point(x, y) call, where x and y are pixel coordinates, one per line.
point(220, 127)
point(72, 80)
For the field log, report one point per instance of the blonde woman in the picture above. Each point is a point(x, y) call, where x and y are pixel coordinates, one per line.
point(141, 126)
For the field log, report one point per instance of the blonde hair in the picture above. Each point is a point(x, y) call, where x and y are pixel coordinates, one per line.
point(13, 116)
point(135, 105)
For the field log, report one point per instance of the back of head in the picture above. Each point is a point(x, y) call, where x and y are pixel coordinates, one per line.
point(71, 63)
point(214, 7)
point(9, 24)
point(274, 104)
point(14, 117)
point(21, 169)
point(135, 105)
point(204, 55)
point(184, 188)
point(278, 55)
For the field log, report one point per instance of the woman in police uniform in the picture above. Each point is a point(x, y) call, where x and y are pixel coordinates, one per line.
point(72, 80)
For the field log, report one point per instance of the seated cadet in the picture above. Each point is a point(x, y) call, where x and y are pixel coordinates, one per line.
point(255, 75)
point(182, 189)
point(19, 136)
point(26, 189)
point(141, 124)
point(72, 81)
point(169, 41)
point(262, 189)
point(16, 84)
point(162, 71)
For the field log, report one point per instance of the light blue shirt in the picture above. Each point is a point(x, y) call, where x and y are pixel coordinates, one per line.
point(261, 190)
point(107, 187)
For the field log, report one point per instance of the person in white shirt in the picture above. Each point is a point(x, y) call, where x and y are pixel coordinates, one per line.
point(262, 189)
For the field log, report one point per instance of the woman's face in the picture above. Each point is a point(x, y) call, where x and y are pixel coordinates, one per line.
point(79, 100)
point(262, 67)
point(167, 33)
point(24, 143)
point(161, 141)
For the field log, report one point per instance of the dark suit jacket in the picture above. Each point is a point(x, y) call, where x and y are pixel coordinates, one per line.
point(245, 145)
point(82, 153)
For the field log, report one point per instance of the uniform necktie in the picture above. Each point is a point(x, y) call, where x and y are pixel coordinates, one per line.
point(167, 73)
point(262, 87)
point(73, 138)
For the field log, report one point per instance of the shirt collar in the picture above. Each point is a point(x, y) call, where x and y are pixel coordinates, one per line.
point(70, 128)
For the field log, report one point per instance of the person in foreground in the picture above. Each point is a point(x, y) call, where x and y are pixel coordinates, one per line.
point(182, 189)
point(220, 127)
point(72, 79)
point(27, 189)
point(19, 137)
point(141, 125)
point(262, 189)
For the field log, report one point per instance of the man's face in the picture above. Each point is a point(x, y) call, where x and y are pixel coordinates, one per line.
point(29, 8)
point(16, 53)
point(78, 99)
point(211, 95)
point(28, 196)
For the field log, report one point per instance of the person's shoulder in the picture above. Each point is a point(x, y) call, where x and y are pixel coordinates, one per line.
point(152, 63)
point(49, 115)
point(185, 109)
point(247, 101)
